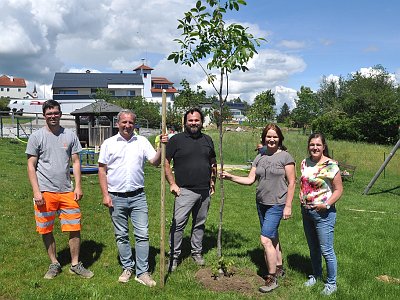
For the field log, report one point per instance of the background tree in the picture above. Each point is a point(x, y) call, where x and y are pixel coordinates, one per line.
point(362, 108)
point(4, 101)
point(214, 112)
point(147, 113)
point(174, 117)
point(284, 114)
point(189, 98)
point(262, 110)
point(226, 48)
point(307, 108)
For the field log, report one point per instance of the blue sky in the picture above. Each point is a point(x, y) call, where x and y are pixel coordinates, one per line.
point(307, 39)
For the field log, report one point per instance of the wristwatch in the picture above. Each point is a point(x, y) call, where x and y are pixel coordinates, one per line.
point(327, 206)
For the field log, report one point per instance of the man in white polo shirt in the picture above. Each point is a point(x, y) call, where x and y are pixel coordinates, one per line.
point(121, 176)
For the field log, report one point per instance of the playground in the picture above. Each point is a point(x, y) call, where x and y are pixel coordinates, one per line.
point(366, 234)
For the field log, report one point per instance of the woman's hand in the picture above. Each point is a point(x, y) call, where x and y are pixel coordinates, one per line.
point(287, 212)
point(225, 175)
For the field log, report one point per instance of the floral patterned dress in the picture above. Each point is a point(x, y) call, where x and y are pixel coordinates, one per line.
point(316, 181)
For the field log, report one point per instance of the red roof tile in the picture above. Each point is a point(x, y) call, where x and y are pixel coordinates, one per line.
point(17, 82)
point(160, 80)
point(170, 90)
point(143, 67)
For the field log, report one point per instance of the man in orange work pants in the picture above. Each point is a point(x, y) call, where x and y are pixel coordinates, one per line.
point(49, 152)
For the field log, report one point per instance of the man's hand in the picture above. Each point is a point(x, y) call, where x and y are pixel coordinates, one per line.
point(212, 188)
point(175, 189)
point(78, 194)
point(107, 201)
point(38, 199)
point(164, 138)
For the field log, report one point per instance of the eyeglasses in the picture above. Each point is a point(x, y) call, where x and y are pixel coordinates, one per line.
point(51, 114)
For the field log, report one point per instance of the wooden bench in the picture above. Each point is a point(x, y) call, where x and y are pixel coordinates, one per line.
point(347, 171)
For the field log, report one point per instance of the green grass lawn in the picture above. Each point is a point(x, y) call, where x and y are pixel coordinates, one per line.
point(366, 238)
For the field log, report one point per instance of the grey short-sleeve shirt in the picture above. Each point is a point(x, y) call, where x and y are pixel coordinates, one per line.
point(272, 185)
point(53, 153)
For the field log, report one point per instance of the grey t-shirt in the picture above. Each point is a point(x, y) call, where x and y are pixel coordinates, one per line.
point(272, 185)
point(53, 153)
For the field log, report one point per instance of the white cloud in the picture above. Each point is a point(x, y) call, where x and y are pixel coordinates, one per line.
point(332, 78)
point(326, 42)
point(292, 44)
point(49, 36)
point(371, 72)
point(284, 95)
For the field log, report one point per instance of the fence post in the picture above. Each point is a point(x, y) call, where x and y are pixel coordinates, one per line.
point(384, 169)
point(17, 127)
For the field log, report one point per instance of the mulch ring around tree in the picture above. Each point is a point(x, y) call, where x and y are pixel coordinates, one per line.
point(243, 281)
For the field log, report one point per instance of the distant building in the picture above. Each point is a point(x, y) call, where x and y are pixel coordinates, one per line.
point(12, 87)
point(73, 86)
point(32, 95)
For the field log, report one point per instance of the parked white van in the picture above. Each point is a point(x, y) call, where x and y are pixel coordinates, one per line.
point(35, 105)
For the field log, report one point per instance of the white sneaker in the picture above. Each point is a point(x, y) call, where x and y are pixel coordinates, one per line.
point(125, 276)
point(146, 280)
point(311, 281)
point(329, 289)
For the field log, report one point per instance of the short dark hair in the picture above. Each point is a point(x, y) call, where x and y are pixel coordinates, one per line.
point(316, 135)
point(192, 111)
point(50, 104)
point(278, 131)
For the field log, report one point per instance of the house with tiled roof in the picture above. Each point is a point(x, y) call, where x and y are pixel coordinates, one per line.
point(74, 86)
point(12, 87)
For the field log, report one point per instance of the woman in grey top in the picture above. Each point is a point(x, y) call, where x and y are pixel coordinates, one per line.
point(275, 174)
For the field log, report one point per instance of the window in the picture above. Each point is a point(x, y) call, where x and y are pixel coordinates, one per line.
point(112, 93)
point(68, 92)
point(131, 93)
point(8, 89)
point(2, 89)
point(19, 90)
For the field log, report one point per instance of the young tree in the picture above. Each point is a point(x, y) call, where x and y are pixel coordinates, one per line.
point(226, 47)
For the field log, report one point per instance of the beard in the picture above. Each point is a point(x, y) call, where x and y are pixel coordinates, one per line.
point(193, 130)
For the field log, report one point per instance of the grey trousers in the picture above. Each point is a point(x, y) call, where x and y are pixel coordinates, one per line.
point(188, 202)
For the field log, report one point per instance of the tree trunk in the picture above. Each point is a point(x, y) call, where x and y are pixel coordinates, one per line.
point(222, 192)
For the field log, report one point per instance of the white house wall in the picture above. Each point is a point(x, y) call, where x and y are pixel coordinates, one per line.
point(12, 92)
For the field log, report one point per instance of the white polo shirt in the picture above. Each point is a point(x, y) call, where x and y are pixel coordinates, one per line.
point(125, 162)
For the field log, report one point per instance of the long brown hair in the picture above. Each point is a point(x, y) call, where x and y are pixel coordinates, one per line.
point(278, 132)
point(317, 135)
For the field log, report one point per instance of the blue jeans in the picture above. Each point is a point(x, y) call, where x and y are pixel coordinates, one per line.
point(270, 217)
point(319, 228)
point(136, 208)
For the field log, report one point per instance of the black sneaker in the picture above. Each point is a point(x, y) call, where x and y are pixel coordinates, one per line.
point(173, 264)
point(54, 270)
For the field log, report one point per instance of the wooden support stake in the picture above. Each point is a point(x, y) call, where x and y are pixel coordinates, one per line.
point(162, 210)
